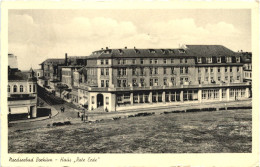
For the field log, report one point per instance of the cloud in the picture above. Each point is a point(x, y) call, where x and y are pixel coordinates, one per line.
point(82, 35)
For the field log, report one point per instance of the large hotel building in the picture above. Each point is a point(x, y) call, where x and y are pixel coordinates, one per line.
point(120, 79)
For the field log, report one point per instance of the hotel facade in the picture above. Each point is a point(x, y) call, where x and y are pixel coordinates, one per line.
point(120, 79)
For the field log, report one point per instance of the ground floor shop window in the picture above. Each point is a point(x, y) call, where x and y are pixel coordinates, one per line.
point(190, 95)
point(210, 94)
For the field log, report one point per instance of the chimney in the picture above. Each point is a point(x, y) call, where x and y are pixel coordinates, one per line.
point(106, 48)
point(125, 47)
point(66, 59)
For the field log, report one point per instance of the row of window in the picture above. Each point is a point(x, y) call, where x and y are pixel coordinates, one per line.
point(151, 61)
point(104, 71)
point(104, 83)
point(104, 62)
point(209, 59)
point(21, 88)
point(154, 70)
point(93, 100)
point(231, 78)
point(214, 94)
point(211, 69)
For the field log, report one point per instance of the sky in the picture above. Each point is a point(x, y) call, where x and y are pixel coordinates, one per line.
point(35, 35)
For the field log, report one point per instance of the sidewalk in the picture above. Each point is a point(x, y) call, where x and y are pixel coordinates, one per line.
point(54, 112)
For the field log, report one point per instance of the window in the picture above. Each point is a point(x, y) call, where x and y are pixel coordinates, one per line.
point(102, 83)
point(207, 79)
point(199, 59)
point(238, 78)
point(30, 88)
point(172, 70)
point(106, 61)
point(107, 83)
point(151, 61)
point(151, 82)
point(124, 61)
point(119, 72)
point(124, 83)
point(93, 99)
point(118, 61)
point(164, 61)
point(237, 69)
point(102, 62)
point(133, 61)
point(155, 61)
point(134, 71)
point(186, 61)
point(218, 69)
point(226, 69)
point(209, 60)
point(219, 78)
point(238, 59)
point(181, 70)
point(151, 70)
point(199, 80)
point(211, 69)
point(21, 88)
point(134, 82)
point(206, 70)
point(141, 61)
point(142, 71)
point(228, 59)
point(107, 71)
point(226, 78)
point(224, 93)
point(230, 69)
point(124, 71)
point(118, 83)
point(173, 81)
point(102, 71)
point(231, 78)
point(164, 70)
point(155, 70)
point(8, 88)
point(182, 60)
point(186, 70)
point(165, 81)
point(172, 61)
point(107, 100)
point(156, 82)
point(181, 79)
point(142, 81)
point(34, 88)
point(218, 59)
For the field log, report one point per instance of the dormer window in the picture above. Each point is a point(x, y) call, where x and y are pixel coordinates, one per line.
point(219, 59)
point(163, 51)
point(120, 51)
point(170, 51)
point(152, 51)
point(228, 59)
point(151, 61)
point(238, 59)
point(199, 60)
point(106, 61)
point(181, 50)
point(155, 61)
point(209, 59)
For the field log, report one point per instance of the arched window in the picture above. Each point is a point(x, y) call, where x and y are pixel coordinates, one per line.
point(21, 88)
point(8, 88)
point(15, 88)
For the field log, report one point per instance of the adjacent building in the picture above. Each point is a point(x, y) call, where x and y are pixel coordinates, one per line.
point(22, 92)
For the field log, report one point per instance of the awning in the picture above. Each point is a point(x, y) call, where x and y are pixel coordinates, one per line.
point(83, 101)
point(19, 110)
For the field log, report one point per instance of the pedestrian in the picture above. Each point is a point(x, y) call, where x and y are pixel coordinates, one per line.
point(63, 109)
point(78, 114)
point(82, 117)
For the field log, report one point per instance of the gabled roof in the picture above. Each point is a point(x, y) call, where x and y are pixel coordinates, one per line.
point(187, 51)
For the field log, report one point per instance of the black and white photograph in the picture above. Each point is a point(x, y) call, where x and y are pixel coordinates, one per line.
point(138, 81)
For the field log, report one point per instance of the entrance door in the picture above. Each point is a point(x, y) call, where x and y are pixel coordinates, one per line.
point(100, 100)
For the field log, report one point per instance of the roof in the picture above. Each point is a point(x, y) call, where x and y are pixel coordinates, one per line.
point(20, 76)
point(54, 61)
point(188, 51)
